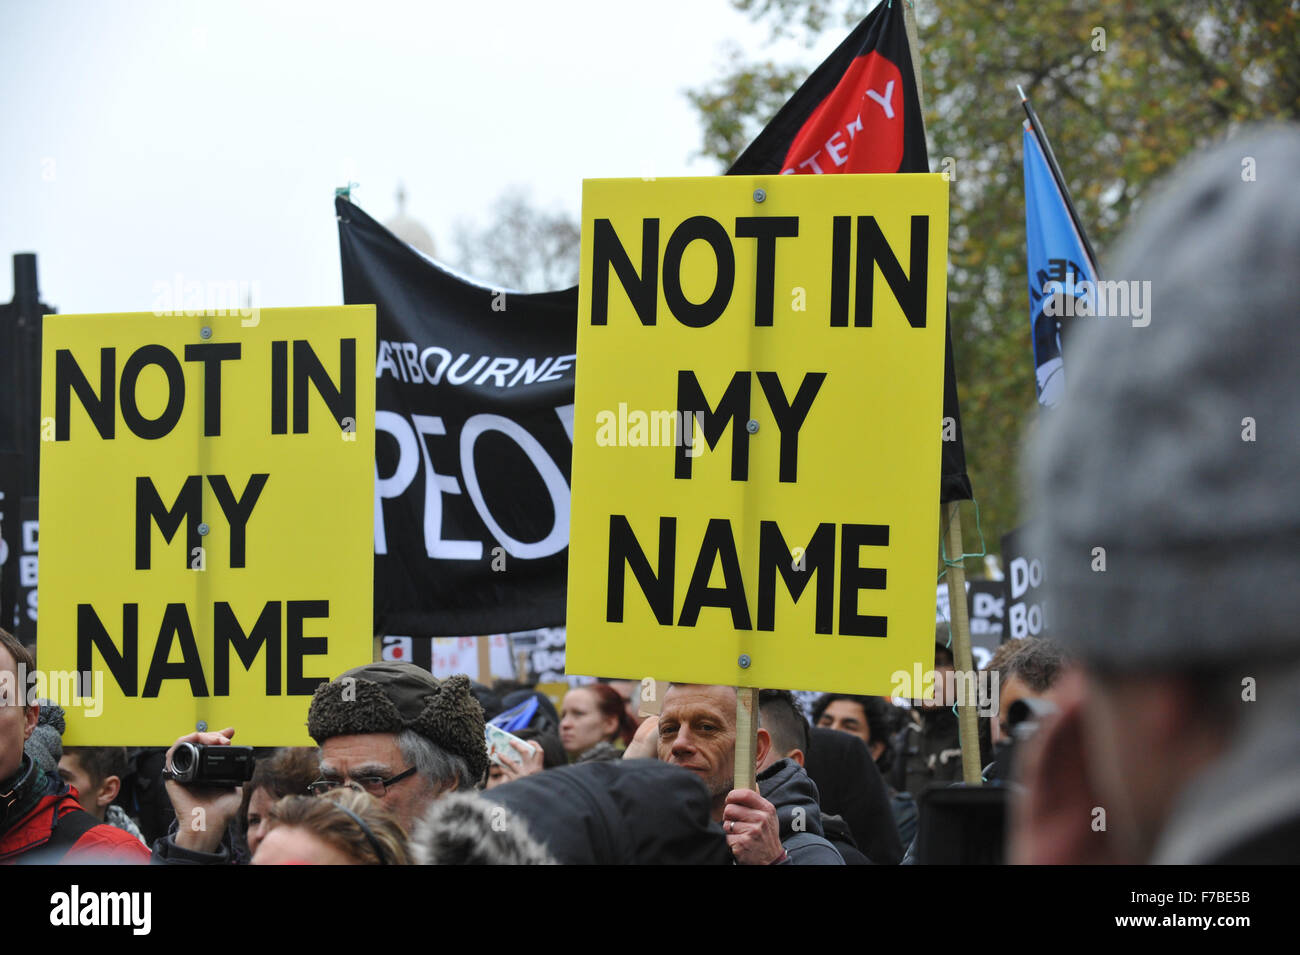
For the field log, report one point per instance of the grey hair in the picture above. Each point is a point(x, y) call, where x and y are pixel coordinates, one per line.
point(445, 770)
point(1038, 662)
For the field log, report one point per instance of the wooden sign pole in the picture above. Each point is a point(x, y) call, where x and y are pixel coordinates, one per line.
point(746, 737)
point(963, 660)
point(961, 655)
point(485, 660)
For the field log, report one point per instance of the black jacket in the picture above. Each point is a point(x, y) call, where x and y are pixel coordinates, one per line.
point(837, 831)
point(850, 786)
point(787, 787)
point(628, 811)
point(928, 750)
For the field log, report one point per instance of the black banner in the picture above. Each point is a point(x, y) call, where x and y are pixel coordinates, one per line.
point(1026, 615)
point(25, 566)
point(474, 422)
point(10, 536)
point(544, 652)
point(985, 601)
point(20, 420)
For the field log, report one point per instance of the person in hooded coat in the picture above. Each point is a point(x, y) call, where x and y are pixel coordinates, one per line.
point(849, 785)
point(807, 835)
point(625, 812)
point(787, 787)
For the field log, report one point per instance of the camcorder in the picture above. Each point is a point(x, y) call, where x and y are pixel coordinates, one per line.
point(1023, 718)
point(197, 764)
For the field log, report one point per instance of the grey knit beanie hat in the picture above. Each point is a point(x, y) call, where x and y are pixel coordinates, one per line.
point(45, 745)
point(1177, 447)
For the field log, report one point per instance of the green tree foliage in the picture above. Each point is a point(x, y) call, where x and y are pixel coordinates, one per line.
point(1124, 89)
point(735, 108)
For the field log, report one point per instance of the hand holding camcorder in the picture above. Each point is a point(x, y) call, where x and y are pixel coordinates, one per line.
point(200, 764)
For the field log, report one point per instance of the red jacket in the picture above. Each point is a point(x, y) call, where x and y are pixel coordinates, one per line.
point(100, 843)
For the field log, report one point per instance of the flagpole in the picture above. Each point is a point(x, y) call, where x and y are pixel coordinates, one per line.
point(967, 719)
point(1040, 134)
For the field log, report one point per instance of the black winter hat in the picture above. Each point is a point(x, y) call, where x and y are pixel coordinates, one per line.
point(391, 697)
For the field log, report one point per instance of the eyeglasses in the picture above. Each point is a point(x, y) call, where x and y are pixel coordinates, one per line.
point(375, 785)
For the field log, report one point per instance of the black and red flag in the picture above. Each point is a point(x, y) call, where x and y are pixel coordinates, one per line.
point(859, 112)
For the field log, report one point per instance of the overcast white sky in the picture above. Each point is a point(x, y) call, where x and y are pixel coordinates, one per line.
point(145, 139)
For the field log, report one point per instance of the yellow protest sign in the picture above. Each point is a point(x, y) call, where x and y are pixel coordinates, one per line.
point(758, 407)
point(207, 518)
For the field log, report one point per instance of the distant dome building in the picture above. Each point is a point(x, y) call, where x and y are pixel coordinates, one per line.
point(409, 229)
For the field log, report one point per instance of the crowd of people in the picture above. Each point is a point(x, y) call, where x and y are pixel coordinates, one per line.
point(1156, 724)
point(395, 744)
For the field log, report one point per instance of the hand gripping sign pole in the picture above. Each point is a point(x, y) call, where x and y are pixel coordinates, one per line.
point(960, 621)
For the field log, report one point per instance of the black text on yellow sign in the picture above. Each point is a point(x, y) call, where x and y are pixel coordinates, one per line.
point(207, 516)
point(758, 412)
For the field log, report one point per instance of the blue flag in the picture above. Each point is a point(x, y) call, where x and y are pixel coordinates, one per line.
point(1058, 263)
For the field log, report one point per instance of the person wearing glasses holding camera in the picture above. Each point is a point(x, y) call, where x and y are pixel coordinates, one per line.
point(389, 729)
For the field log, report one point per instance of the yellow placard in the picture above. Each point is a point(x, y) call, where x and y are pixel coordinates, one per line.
point(758, 417)
point(207, 519)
